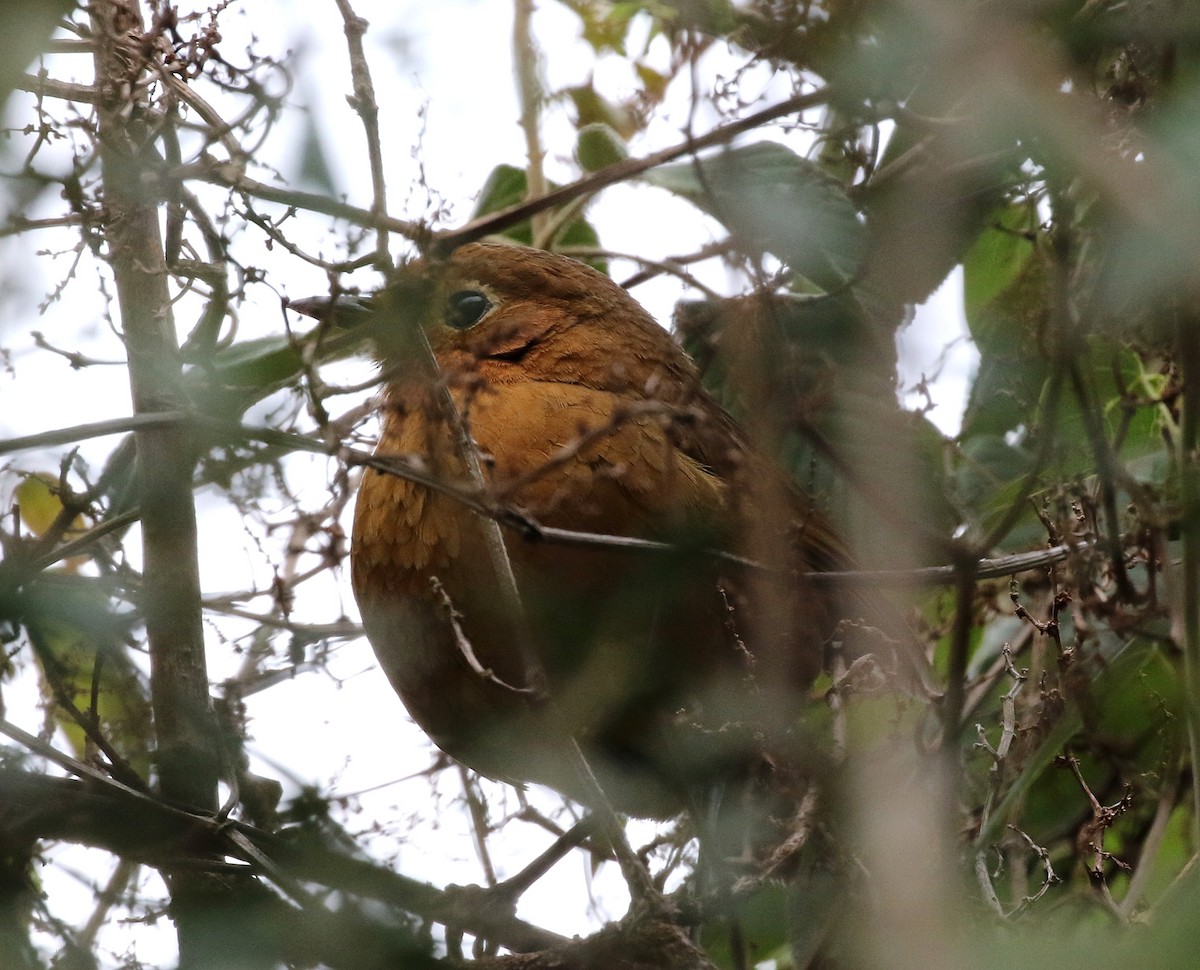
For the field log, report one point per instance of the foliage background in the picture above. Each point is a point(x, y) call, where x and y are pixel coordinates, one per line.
point(1037, 805)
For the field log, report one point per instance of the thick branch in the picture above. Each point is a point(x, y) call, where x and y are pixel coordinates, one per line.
point(186, 756)
point(136, 827)
point(179, 681)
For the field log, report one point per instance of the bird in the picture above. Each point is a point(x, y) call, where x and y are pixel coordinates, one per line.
point(630, 675)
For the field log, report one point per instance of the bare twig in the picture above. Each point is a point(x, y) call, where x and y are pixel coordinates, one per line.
point(1091, 835)
point(529, 95)
point(645, 895)
point(479, 822)
point(465, 648)
point(952, 703)
point(650, 267)
point(1048, 880)
point(1008, 730)
point(46, 87)
point(412, 468)
point(363, 102)
point(574, 837)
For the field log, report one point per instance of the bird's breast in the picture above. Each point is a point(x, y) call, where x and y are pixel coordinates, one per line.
point(570, 456)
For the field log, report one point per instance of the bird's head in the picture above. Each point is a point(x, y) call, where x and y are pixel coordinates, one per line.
point(507, 313)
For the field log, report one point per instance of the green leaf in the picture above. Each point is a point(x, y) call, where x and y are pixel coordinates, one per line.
point(998, 256)
point(599, 146)
point(1007, 330)
point(252, 369)
point(592, 108)
point(775, 201)
point(986, 480)
point(314, 165)
point(507, 186)
point(80, 646)
point(604, 25)
point(761, 925)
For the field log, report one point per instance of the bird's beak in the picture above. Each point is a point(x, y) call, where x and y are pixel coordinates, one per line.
point(345, 311)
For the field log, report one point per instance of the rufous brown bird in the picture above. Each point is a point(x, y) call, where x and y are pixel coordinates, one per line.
point(588, 416)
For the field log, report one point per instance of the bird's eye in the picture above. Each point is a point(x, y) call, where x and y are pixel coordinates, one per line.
point(466, 308)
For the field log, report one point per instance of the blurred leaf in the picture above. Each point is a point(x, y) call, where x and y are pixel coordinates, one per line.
point(592, 108)
point(262, 362)
point(923, 221)
point(654, 84)
point(1147, 255)
point(761, 928)
point(1008, 331)
point(985, 481)
point(40, 505)
point(598, 146)
point(817, 359)
point(778, 202)
point(314, 165)
point(28, 25)
point(997, 256)
point(507, 186)
point(38, 501)
point(604, 24)
point(713, 17)
point(80, 645)
point(246, 372)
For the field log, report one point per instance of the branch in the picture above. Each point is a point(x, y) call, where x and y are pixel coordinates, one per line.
point(413, 469)
point(108, 815)
point(363, 102)
point(186, 756)
point(179, 680)
point(94, 429)
point(497, 222)
point(629, 945)
point(231, 176)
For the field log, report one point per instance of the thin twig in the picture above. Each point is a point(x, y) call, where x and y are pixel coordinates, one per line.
point(1048, 880)
point(952, 704)
point(479, 823)
point(644, 894)
point(529, 96)
point(1008, 731)
point(85, 540)
point(574, 837)
point(497, 222)
point(364, 103)
point(122, 875)
point(669, 267)
point(1148, 852)
point(413, 469)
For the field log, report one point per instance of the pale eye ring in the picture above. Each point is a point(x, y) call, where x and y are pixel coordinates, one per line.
point(465, 308)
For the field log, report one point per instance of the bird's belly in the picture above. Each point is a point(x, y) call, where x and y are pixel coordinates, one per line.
point(616, 631)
